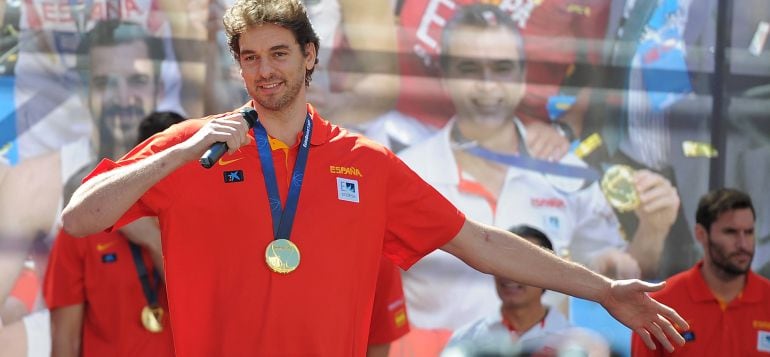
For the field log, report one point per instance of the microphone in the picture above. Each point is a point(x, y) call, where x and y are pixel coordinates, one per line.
point(219, 148)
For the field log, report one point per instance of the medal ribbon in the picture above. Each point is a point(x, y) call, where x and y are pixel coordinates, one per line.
point(542, 166)
point(150, 292)
point(524, 161)
point(283, 219)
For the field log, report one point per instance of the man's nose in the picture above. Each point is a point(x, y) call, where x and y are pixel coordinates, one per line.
point(745, 240)
point(118, 91)
point(265, 69)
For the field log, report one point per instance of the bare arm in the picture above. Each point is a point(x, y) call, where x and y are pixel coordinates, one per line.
point(66, 331)
point(497, 252)
point(659, 206)
point(102, 200)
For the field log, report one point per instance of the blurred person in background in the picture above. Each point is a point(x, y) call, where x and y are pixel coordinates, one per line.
point(106, 293)
point(560, 50)
point(48, 113)
point(483, 72)
point(522, 322)
point(120, 73)
point(724, 302)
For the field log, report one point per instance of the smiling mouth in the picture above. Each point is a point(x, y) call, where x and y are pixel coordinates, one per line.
point(270, 85)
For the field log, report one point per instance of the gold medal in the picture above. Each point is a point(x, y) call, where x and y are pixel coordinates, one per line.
point(151, 317)
point(618, 187)
point(282, 256)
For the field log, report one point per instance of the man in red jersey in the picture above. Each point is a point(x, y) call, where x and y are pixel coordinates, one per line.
point(253, 292)
point(724, 302)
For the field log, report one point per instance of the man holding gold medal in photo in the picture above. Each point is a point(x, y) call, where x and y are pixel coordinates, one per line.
point(254, 266)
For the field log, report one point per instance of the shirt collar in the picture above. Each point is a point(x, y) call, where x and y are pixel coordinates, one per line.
point(700, 292)
point(323, 131)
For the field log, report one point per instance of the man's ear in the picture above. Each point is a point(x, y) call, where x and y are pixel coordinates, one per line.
point(701, 234)
point(310, 56)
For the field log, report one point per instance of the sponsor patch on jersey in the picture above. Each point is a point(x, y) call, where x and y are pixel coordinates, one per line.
point(548, 202)
point(109, 258)
point(347, 190)
point(763, 341)
point(233, 176)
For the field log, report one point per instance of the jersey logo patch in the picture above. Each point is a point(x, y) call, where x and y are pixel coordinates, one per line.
point(223, 162)
point(233, 176)
point(347, 190)
point(763, 341)
point(109, 258)
point(103, 246)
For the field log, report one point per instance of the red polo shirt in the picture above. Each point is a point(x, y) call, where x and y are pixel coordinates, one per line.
point(98, 271)
point(389, 319)
point(742, 328)
point(358, 202)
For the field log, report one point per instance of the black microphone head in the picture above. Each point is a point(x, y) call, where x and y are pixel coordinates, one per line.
point(250, 115)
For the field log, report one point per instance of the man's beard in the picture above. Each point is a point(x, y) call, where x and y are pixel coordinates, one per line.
point(118, 129)
point(292, 90)
point(722, 261)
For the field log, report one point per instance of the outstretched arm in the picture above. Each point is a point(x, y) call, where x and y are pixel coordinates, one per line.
point(500, 253)
point(102, 200)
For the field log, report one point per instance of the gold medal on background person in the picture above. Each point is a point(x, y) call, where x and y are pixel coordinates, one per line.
point(151, 317)
point(618, 187)
point(282, 256)
point(617, 183)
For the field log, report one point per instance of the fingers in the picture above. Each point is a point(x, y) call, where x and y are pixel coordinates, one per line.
point(646, 180)
point(232, 130)
point(673, 317)
point(646, 338)
point(657, 331)
point(671, 332)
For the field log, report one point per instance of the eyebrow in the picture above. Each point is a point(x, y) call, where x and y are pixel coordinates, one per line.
point(274, 48)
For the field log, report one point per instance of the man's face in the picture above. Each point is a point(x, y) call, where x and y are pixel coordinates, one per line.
point(122, 91)
point(483, 75)
point(513, 294)
point(273, 66)
point(729, 245)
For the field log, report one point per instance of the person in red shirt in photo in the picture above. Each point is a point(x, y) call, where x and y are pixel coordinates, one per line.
point(256, 266)
point(724, 302)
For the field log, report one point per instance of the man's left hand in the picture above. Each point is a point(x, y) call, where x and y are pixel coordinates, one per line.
point(628, 302)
